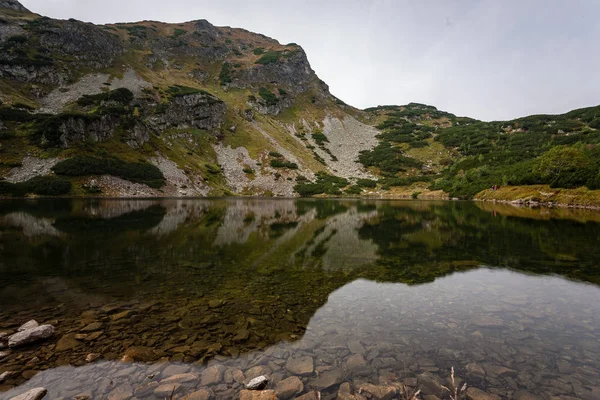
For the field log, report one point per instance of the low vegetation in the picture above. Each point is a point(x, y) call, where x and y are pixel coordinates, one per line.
point(40, 185)
point(133, 172)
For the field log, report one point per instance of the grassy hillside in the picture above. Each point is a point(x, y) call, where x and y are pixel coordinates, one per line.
point(463, 156)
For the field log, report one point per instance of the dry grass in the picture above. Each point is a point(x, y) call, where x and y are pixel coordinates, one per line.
point(581, 197)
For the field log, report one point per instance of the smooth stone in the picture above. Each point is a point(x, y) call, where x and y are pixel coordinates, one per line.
point(175, 370)
point(28, 325)
point(501, 371)
point(257, 395)
point(378, 392)
point(29, 373)
point(288, 388)
point(94, 326)
point(314, 395)
point(201, 394)
point(212, 375)
point(355, 362)
point(94, 336)
point(141, 353)
point(488, 322)
point(429, 384)
point(477, 394)
point(68, 342)
point(145, 390)
point(80, 336)
point(31, 335)
point(179, 378)
point(302, 366)
point(121, 315)
point(356, 347)
point(327, 379)
point(33, 394)
point(166, 390)
point(475, 369)
point(258, 383)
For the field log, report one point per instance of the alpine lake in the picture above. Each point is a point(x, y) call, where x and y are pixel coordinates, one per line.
point(349, 299)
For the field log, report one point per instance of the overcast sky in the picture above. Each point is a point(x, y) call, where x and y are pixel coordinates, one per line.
point(487, 59)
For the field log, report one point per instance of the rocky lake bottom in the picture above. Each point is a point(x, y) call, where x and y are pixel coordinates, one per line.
point(194, 299)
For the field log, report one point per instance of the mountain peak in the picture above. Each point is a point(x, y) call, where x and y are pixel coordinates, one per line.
point(13, 5)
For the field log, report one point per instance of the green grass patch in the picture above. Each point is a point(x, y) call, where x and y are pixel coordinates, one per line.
point(270, 57)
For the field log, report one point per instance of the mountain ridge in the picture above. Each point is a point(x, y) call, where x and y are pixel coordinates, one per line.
point(191, 109)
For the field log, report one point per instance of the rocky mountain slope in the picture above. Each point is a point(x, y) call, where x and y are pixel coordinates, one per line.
point(154, 109)
point(190, 109)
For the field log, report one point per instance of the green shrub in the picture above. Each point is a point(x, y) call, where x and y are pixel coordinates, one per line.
point(319, 138)
point(180, 91)
point(283, 164)
point(133, 172)
point(355, 189)
point(225, 75)
point(368, 183)
point(275, 154)
point(325, 184)
point(267, 96)
point(178, 32)
point(258, 51)
point(270, 57)
point(40, 185)
point(122, 95)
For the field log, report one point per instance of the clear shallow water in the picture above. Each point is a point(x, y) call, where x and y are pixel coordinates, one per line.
point(329, 291)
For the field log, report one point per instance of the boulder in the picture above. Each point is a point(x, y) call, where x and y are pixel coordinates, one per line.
point(33, 394)
point(258, 383)
point(258, 395)
point(302, 366)
point(288, 388)
point(212, 375)
point(327, 379)
point(378, 392)
point(31, 335)
point(475, 369)
point(201, 394)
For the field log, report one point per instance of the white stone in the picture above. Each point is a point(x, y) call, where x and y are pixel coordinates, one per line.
point(31, 335)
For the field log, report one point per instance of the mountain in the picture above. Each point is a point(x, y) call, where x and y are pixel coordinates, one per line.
point(191, 109)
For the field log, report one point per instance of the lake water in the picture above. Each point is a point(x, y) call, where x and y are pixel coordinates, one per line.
point(177, 296)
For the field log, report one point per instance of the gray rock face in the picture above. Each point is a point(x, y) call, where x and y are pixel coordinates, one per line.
point(13, 5)
point(31, 335)
point(199, 110)
point(33, 394)
point(79, 129)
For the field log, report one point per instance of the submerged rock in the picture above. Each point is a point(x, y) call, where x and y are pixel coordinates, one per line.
point(6, 375)
point(257, 395)
point(288, 388)
point(378, 392)
point(302, 366)
point(258, 383)
point(477, 394)
point(31, 335)
point(33, 394)
point(201, 394)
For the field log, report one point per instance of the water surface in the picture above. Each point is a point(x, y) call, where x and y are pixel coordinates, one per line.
point(329, 291)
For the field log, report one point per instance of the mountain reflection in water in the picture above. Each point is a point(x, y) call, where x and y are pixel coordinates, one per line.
point(369, 291)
